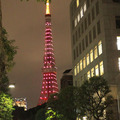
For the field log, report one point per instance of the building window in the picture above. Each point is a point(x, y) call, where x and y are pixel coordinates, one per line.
point(97, 8)
point(88, 75)
point(119, 63)
point(78, 17)
point(96, 70)
point(82, 79)
point(83, 45)
point(85, 7)
point(94, 32)
point(79, 32)
point(89, 19)
point(77, 3)
point(101, 68)
point(73, 40)
point(88, 59)
point(74, 54)
point(75, 22)
point(82, 27)
point(78, 68)
point(117, 22)
point(93, 13)
point(75, 71)
point(92, 72)
point(98, 28)
point(88, 3)
point(80, 51)
point(118, 42)
point(85, 76)
point(91, 55)
point(76, 36)
point(81, 12)
point(95, 52)
point(77, 54)
point(85, 23)
point(76, 83)
point(81, 65)
point(84, 63)
point(100, 48)
point(116, 0)
point(86, 40)
point(90, 37)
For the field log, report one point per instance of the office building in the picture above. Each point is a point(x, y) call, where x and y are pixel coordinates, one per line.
point(95, 35)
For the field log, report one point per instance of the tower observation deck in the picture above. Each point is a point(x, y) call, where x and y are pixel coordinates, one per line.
point(49, 83)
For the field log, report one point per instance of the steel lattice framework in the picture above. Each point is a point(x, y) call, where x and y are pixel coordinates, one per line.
point(49, 84)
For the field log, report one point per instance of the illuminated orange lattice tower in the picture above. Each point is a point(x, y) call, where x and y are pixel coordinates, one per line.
point(49, 83)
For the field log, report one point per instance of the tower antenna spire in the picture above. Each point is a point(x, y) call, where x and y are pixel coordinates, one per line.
point(47, 7)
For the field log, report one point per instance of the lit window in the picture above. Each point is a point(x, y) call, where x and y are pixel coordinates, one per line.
point(101, 68)
point(85, 7)
point(84, 118)
point(77, 3)
point(92, 72)
point(75, 72)
point(100, 48)
point(91, 55)
point(78, 17)
point(118, 42)
point(81, 12)
point(95, 52)
point(84, 63)
point(96, 70)
point(80, 65)
point(119, 63)
point(75, 22)
point(88, 59)
point(78, 68)
point(88, 75)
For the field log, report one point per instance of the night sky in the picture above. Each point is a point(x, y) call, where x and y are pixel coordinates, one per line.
point(25, 23)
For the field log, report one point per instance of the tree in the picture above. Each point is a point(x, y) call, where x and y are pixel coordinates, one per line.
point(64, 103)
point(94, 98)
point(40, 115)
point(1, 46)
point(7, 60)
point(52, 115)
point(6, 63)
point(6, 107)
point(7, 52)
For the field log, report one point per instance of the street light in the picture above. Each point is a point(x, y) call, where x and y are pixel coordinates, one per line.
point(12, 86)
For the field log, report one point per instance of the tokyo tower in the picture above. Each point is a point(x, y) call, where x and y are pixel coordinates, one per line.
point(49, 83)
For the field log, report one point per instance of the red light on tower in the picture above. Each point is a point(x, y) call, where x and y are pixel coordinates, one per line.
point(49, 84)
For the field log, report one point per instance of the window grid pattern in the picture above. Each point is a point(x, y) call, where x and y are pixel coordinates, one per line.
point(89, 58)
